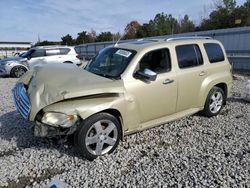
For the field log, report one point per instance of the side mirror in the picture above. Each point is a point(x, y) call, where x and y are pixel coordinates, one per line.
point(146, 74)
point(29, 57)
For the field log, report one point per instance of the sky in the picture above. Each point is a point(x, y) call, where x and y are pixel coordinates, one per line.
point(25, 20)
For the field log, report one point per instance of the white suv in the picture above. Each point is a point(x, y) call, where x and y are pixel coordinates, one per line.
point(17, 66)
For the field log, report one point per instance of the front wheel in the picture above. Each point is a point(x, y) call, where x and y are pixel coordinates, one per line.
point(18, 71)
point(214, 102)
point(98, 135)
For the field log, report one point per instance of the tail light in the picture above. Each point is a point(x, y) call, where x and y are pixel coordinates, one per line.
point(79, 57)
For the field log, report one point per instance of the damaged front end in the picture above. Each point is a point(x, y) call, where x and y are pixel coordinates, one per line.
point(42, 130)
point(40, 92)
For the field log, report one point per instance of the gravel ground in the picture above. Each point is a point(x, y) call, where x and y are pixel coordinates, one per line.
point(192, 152)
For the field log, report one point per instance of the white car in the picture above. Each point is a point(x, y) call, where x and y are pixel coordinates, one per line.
point(17, 66)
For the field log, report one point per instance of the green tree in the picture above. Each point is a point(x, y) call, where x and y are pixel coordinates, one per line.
point(223, 16)
point(186, 25)
point(68, 40)
point(104, 36)
point(47, 43)
point(84, 37)
point(146, 30)
point(163, 24)
point(241, 15)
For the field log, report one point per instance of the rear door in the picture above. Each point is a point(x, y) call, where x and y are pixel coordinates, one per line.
point(53, 55)
point(190, 75)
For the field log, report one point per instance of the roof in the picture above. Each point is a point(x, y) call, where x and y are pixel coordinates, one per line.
point(53, 46)
point(148, 43)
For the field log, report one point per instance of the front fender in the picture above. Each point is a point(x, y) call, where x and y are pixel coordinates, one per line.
point(87, 106)
point(84, 107)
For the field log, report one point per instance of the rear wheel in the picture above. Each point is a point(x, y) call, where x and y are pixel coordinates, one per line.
point(98, 135)
point(214, 102)
point(18, 71)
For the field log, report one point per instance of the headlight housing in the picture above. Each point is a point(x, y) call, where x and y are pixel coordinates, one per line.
point(59, 119)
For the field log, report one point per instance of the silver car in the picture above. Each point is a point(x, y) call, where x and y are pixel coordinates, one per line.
point(18, 65)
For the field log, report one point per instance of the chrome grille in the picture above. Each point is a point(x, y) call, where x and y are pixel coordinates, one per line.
point(21, 100)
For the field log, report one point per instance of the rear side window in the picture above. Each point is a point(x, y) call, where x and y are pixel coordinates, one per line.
point(50, 52)
point(214, 52)
point(64, 51)
point(189, 56)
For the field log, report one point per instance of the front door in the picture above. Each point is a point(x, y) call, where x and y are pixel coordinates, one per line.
point(155, 99)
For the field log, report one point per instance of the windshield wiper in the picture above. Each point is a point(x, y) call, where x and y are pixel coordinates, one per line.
point(105, 75)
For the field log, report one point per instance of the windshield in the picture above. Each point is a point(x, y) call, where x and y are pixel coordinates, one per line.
point(110, 62)
point(27, 54)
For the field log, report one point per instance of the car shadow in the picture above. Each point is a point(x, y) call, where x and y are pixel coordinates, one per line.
point(14, 128)
point(5, 76)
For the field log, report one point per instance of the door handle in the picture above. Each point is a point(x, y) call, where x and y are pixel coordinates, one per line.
point(202, 73)
point(167, 81)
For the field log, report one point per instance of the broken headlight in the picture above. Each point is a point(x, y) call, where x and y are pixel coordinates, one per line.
point(59, 119)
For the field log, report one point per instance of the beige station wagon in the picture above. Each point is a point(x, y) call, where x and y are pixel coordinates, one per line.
point(124, 89)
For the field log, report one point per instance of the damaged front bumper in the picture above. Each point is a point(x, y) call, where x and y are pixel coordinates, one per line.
point(42, 130)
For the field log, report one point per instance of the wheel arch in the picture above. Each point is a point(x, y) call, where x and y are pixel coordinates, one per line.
point(12, 68)
point(70, 62)
point(221, 85)
point(117, 114)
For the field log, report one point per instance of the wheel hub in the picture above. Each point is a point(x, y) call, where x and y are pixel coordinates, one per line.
point(102, 137)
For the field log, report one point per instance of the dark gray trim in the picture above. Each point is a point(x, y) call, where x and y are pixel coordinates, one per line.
point(15, 43)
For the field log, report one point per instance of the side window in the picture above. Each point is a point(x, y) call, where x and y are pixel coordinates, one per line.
point(214, 52)
point(157, 61)
point(50, 52)
point(189, 56)
point(38, 53)
point(64, 51)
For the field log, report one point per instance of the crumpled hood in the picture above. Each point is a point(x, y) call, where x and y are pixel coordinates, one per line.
point(48, 84)
point(14, 58)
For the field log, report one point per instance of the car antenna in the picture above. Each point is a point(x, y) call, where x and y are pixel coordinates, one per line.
point(117, 42)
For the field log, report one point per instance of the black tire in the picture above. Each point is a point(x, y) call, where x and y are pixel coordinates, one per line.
point(213, 107)
point(17, 71)
point(89, 130)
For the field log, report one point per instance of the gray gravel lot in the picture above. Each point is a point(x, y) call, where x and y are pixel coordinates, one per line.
point(192, 152)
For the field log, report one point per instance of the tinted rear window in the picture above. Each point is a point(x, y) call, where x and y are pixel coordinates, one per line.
point(50, 52)
point(64, 51)
point(189, 55)
point(214, 52)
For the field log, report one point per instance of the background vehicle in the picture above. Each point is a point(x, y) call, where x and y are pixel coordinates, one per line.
point(18, 65)
point(125, 89)
point(19, 53)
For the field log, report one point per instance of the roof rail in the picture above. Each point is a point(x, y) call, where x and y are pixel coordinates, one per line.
point(53, 46)
point(187, 38)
